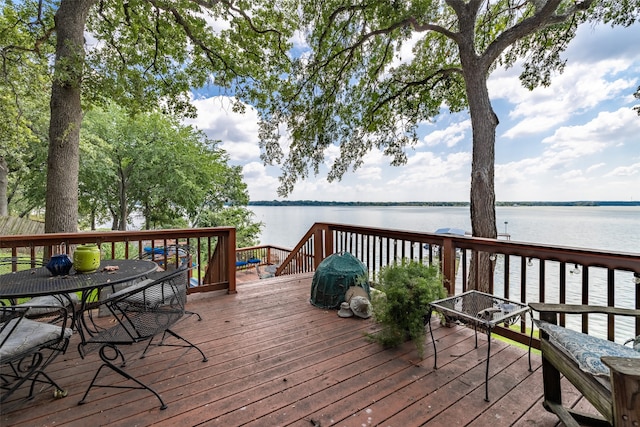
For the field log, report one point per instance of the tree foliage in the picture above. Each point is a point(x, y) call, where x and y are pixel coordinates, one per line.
point(24, 83)
point(240, 217)
point(151, 163)
point(142, 55)
point(351, 86)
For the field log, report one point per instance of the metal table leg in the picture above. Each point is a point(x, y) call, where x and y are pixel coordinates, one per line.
point(435, 352)
point(486, 374)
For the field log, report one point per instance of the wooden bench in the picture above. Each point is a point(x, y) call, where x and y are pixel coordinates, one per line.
point(615, 396)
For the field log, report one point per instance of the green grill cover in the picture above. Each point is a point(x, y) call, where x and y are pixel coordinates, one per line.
point(334, 276)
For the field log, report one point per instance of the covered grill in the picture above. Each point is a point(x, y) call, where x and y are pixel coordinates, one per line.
point(334, 276)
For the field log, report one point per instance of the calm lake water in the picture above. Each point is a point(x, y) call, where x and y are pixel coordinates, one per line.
point(614, 228)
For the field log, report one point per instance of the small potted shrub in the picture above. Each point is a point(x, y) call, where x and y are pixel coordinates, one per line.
point(402, 305)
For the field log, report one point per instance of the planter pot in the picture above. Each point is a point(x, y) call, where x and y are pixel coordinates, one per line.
point(86, 258)
point(59, 265)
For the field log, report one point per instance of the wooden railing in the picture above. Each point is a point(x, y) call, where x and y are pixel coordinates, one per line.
point(212, 250)
point(522, 271)
point(261, 255)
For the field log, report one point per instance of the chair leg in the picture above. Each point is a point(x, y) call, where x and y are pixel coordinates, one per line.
point(19, 377)
point(551, 383)
point(553, 400)
point(190, 344)
point(107, 363)
point(30, 369)
point(191, 313)
point(59, 392)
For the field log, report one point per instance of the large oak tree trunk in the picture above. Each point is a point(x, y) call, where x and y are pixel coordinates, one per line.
point(483, 123)
point(61, 213)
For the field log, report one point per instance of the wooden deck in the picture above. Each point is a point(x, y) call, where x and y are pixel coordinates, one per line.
point(276, 360)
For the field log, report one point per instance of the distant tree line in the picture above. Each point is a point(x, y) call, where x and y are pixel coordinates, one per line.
point(455, 204)
point(325, 203)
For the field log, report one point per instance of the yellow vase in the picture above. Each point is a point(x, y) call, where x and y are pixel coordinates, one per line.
point(86, 258)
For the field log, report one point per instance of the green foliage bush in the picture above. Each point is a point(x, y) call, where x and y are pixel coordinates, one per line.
point(407, 289)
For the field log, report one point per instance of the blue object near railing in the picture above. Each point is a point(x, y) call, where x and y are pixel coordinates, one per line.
point(158, 250)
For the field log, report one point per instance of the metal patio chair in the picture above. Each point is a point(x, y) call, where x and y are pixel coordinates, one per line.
point(158, 254)
point(143, 312)
point(28, 346)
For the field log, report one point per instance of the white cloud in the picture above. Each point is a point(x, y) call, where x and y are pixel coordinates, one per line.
point(369, 173)
point(567, 167)
point(624, 171)
point(568, 95)
point(238, 132)
point(405, 53)
point(331, 153)
point(426, 167)
point(573, 175)
point(449, 136)
point(595, 167)
point(299, 41)
point(570, 143)
point(260, 184)
point(606, 130)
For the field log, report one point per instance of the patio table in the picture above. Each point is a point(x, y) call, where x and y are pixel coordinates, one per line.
point(39, 282)
point(480, 310)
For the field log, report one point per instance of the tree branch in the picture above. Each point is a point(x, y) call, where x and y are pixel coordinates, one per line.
point(211, 55)
point(432, 27)
point(543, 18)
point(437, 77)
point(229, 4)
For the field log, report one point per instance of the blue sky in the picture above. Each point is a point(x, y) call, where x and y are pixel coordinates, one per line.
point(578, 139)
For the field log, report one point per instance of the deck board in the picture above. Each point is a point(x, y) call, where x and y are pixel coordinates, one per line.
point(276, 360)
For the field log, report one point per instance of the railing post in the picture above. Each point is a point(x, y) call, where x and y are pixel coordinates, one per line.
point(449, 265)
point(322, 244)
point(231, 261)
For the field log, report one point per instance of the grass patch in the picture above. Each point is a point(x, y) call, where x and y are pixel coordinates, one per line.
point(516, 328)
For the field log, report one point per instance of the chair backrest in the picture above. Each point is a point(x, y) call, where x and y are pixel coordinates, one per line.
point(147, 308)
point(160, 288)
point(182, 255)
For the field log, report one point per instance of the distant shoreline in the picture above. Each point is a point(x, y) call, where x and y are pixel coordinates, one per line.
point(327, 203)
